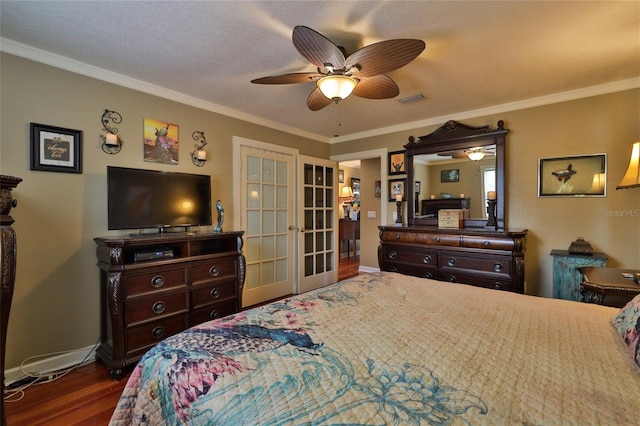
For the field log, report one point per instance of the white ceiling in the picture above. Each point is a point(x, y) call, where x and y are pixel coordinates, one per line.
point(480, 55)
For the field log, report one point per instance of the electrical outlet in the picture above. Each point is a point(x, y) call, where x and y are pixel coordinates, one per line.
point(371, 214)
point(394, 216)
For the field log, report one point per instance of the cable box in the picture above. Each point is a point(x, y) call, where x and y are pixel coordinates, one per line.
point(152, 255)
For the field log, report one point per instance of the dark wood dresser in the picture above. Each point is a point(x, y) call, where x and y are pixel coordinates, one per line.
point(155, 286)
point(431, 207)
point(491, 259)
point(8, 253)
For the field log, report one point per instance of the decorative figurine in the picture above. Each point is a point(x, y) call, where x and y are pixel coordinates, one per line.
point(220, 209)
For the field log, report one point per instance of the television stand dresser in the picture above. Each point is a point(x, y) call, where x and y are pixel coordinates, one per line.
point(154, 286)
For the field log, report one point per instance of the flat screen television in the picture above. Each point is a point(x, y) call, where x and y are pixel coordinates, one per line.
point(140, 199)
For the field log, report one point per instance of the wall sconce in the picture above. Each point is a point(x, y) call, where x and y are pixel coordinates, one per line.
point(199, 155)
point(631, 178)
point(111, 142)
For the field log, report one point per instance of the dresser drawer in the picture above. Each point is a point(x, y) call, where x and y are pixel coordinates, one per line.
point(414, 270)
point(412, 255)
point(155, 305)
point(450, 240)
point(217, 291)
point(213, 311)
point(488, 243)
point(156, 280)
point(488, 264)
point(399, 237)
point(497, 283)
point(141, 338)
point(213, 269)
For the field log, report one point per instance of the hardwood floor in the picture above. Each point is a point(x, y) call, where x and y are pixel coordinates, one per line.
point(87, 395)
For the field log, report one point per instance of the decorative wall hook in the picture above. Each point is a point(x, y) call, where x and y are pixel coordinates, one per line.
point(199, 155)
point(111, 142)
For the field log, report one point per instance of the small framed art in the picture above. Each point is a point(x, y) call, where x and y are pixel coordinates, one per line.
point(397, 163)
point(397, 186)
point(340, 176)
point(56, 149)
point(450, 175)
point(576, 176)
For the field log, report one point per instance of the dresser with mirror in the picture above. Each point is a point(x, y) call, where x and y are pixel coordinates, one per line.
point(481, 251)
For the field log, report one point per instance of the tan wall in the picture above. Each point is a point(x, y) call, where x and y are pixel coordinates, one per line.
point(56, 300)
point(369, 236)
point(599, 124)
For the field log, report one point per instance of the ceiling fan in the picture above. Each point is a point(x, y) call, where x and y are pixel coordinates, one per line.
point(337, 76)
point(474, 154)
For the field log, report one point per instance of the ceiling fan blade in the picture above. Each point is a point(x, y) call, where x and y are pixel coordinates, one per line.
point(316, 100)
point(316, 48)
point(298, 77)
point(384, 56)
point(376, 87)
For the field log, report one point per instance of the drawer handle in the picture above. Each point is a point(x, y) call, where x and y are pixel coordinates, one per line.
point(451, 261)
point(393, 254)
point(497, 286)
point(214, 271)
point(497, 267)
point(397, 236)
point(157, 281)
point(428, 275)
point(215, 293)
point(486, 243)
point(159, 307)
point(452, 279)
point(214, 314)
point(437, 239)
point(426, 259)
point(393, 269)
point(157, 332)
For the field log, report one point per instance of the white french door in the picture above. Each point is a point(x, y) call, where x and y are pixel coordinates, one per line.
point(267, 217)
point(318, 223)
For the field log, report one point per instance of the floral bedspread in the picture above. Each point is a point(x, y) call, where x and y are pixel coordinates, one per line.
point(388, 349)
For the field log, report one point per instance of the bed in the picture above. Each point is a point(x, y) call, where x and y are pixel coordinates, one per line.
point(386, 348)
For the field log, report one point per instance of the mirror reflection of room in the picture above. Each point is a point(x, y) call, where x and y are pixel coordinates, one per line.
point(454, 180)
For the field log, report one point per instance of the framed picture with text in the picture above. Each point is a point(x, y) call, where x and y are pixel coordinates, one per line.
point(56, 149)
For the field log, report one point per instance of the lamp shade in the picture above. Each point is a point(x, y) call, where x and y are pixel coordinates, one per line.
point(336, 87)
point(597, 185)
point(631, 178)
point(346, 194)
point(475, 155)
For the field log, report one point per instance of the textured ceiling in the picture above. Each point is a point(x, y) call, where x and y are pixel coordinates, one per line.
point(479, 54)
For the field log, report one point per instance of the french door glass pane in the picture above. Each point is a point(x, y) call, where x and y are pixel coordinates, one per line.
point(318, 219)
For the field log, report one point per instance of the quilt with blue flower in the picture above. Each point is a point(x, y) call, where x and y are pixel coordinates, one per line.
point(389, 349)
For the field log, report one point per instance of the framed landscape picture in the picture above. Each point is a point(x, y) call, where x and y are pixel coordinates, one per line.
point(451, 175)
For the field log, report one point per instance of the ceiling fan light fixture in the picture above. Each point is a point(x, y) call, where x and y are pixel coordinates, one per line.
point(337, 86)
point(475, 155)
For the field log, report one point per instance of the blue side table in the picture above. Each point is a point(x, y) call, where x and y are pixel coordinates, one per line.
point(567, 277)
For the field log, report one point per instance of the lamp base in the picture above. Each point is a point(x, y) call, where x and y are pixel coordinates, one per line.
point(399, 213)
point(491, 213)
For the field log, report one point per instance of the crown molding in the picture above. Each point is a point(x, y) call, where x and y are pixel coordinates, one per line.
point(58, 61)
point(67, 64)
point(586, 92)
